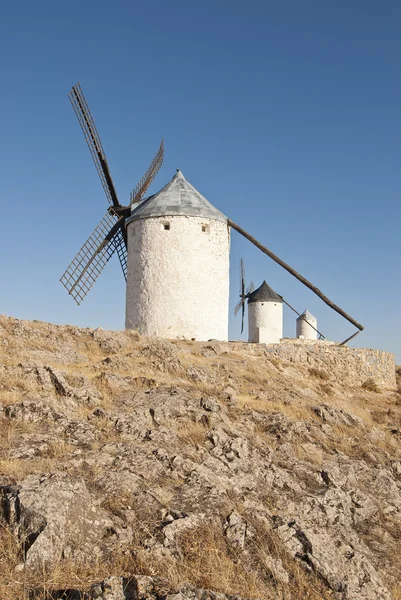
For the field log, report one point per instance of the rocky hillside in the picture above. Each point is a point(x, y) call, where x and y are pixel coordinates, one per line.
point(133, 468)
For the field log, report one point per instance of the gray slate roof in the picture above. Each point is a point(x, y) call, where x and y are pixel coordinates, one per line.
point(306, 315)
point(178, 197)
point(264, 293)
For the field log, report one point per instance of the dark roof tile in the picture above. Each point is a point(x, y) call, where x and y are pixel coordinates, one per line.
point(264, 293)
point(178, 197)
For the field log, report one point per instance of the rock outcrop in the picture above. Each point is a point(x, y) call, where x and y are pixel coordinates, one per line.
point(147, 469)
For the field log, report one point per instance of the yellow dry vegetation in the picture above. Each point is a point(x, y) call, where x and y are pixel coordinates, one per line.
point(261, 384)
point(205, 559)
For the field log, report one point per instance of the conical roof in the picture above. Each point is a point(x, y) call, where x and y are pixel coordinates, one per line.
point(264, 293)
point(306, 315)
point(178, 197)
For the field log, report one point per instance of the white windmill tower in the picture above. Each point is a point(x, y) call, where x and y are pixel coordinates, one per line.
point(178, 265)
point(265, 316)
point(265, 311)
point(173, 249)
point(307, 326)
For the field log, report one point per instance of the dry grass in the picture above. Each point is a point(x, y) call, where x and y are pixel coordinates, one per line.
point(275, 361)
point(60, 575)
point(111, 387)
point(302, 584)
point(11, 588)
point(355, 406)
point(343, 439)
point(311, 454)
point(58, 450)
point(319, 374)
point(205, 558)
point(207, 561)
point(11, 396)
point(18, 469)
point(13, 387)
point(192, 433)
point(263, 438)
point(371, 386)
point(396, 591)
point(297, 410)
point(87, 470)
point(144, 514)
point(384, 531)
point(327, 389)
point(11, 432)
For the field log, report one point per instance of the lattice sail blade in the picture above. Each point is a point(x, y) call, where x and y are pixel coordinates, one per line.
point(87, 265)
point(242, 318)
point(121, 249)
point(92, 138)
point(242, 277)
point(144, 183)
point(250, 288)
point(240, 303)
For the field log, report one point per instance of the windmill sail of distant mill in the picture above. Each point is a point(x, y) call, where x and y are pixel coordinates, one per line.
point(173, 248)
point(244, 293)
point(265, 313)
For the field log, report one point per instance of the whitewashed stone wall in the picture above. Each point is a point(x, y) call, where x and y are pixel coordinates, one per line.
point(351, 366)
point(178, 278)
point(265, 322)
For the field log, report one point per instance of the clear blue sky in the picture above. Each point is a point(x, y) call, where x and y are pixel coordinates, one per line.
point(285, 115)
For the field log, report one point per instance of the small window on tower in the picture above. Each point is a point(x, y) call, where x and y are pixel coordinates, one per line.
point(205, 228)
point(166, 226)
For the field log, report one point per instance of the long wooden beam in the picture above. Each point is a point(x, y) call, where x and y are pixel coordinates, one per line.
point(293, 272)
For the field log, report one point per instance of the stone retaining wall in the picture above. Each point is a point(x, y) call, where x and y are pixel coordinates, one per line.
point(351, 366)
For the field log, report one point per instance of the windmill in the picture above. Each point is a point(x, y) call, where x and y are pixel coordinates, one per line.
point(175, 235)
point(109, 237)
point(244, 293)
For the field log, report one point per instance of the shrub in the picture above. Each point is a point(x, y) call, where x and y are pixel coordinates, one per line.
point(371, 385)
point(319, 373)
point(327, 389)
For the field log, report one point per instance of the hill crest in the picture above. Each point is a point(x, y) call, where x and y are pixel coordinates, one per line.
point(229, 467)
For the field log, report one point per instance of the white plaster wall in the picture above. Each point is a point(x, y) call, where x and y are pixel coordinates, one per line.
point(303, 328)
point(265, 322)
point(178, 279)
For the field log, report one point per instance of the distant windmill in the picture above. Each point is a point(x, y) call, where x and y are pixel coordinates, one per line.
point(110, 235)
point(265, 313)
point(244, 293)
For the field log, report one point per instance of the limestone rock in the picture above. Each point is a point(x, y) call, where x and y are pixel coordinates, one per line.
point(53, 517)
point(139, 587)
point(169, 456)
